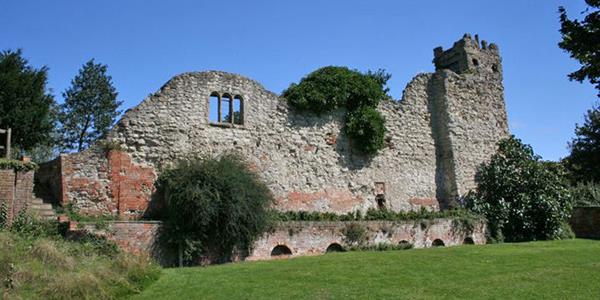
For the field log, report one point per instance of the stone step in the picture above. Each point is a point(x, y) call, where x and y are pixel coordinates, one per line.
point(36, 201)
point(44, 206)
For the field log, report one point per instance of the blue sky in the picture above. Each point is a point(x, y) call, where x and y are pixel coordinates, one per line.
point(144, 43)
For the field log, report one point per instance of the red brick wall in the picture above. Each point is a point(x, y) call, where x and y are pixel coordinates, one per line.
point(585, 222)
point(100, 183)
point(16, 189)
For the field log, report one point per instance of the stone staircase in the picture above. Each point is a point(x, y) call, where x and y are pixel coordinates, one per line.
point(42, 209)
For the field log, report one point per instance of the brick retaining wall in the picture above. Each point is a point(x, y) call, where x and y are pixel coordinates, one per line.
point(16, 189)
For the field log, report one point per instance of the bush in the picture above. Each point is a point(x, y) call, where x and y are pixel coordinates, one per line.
point(330, 88)
point(214, 208)
point(17, 165)
point(354, 234)
point(522, 197)
point(586, 194)
point(366, 128)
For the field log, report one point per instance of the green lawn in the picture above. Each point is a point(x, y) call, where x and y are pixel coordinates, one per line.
point(548, 270)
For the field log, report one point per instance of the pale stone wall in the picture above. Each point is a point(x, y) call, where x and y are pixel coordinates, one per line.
point(313, 238)
point(445, 125)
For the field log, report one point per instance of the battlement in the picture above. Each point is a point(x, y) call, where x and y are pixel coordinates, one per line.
point(469, 55)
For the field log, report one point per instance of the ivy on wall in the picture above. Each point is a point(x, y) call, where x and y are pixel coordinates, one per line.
point(333, 87)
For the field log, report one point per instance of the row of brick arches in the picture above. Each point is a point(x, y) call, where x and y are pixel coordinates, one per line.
point(283, 250)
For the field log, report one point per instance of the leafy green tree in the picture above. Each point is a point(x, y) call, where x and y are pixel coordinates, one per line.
point(522, 197)
point(213, 208)
point(25, 104)
point(90, 107)
point(584, 160)
point(582, 40)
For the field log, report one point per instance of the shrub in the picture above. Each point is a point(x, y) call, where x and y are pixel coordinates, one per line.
point(586, 194)
point(214, 208)
point(522, 197)
point(354, 234)
point(330, 88)
point(17, 165)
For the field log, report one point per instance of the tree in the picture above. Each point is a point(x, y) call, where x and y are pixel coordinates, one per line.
point(25, 104)
point(582, 40)
point(213, 208)
point(584, 160)
point(522, 197)
point(90, 107)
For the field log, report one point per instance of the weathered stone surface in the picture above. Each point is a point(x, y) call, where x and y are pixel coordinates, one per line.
point(302, 238)
point(445, 125)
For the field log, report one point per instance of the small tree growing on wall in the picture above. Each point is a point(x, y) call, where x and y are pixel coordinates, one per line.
point(215, 208)
point(522, 197)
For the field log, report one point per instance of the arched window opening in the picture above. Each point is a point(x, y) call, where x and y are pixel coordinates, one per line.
point(238, 110)
point(335, 247)
point(213, 108)
point(281, 250)
point(438, 243)
point(468, 241)
point(226, 108)
point(475, 62)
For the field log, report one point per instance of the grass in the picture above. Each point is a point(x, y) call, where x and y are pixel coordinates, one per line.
point(546, 270)
point(49, 267)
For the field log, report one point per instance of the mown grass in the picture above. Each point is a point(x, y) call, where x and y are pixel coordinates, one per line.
point(33, 267)
point(537, 270)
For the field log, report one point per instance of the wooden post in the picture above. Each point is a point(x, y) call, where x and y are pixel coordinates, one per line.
point(8, 144)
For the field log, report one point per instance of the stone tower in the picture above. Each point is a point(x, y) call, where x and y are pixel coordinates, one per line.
point(467, 99)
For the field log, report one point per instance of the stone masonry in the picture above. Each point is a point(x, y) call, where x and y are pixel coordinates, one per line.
point(446, 124)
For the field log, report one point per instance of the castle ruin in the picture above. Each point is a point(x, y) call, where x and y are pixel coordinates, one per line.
point(446, 124)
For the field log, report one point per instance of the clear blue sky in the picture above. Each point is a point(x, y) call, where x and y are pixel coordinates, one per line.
point(145, 43)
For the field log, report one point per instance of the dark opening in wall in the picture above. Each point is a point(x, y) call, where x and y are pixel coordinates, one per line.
point(335, 247)
point(438, 243)
point(475, 62)
point(213, 106)
point(404, 244)
point(495, 68)
point(468, 241)
point(380, 201)
point(238, 110)
point(281, 250)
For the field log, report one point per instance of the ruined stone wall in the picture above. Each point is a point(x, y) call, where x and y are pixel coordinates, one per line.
point(313, 238)
point(302, 238)
point(101, 182)
point(445, 125)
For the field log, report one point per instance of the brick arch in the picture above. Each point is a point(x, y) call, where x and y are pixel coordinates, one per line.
point(281, 250)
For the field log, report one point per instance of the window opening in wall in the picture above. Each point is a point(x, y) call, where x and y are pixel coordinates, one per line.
point(495, 68)
point(475, 62)
point(226, 108)
point(380, 194)
point(238, 115)
point(213, 105)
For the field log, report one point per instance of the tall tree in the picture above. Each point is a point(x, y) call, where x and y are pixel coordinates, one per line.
point(90, 107)
point(25, 103)
point(584, 161)
point(582, 40)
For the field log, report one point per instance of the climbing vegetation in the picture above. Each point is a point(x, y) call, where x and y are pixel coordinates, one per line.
point(214, 209)
point(330, 88)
